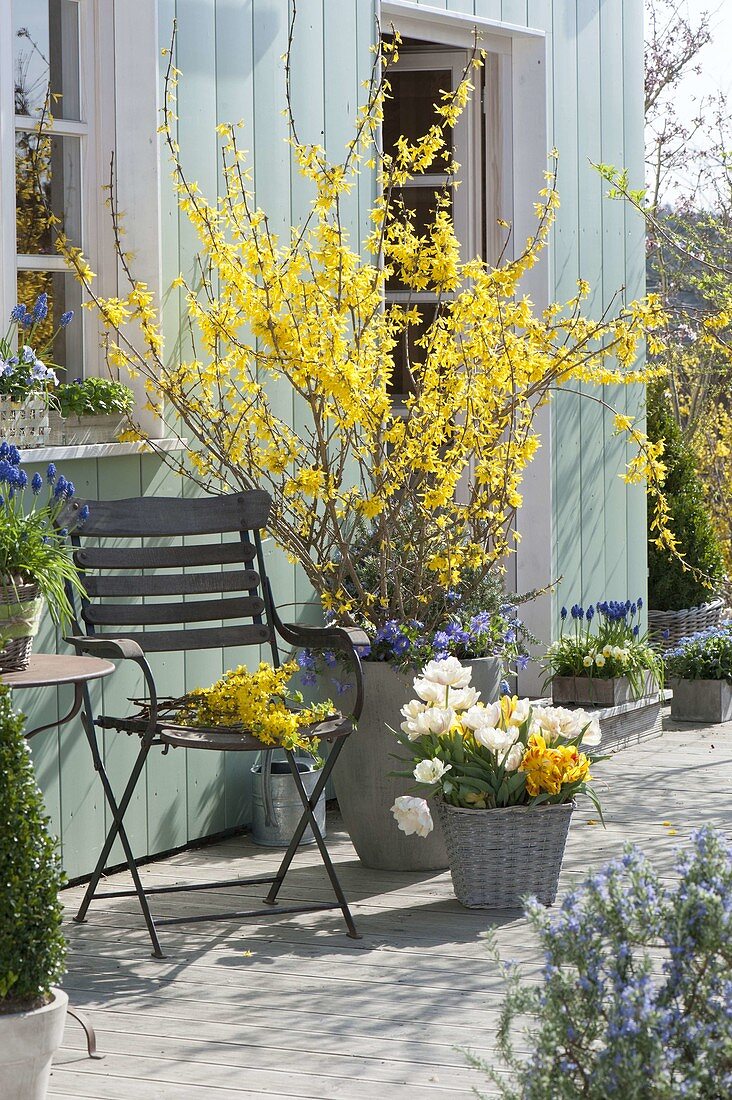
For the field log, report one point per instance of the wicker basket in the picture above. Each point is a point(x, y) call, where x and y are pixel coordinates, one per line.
point(497, 857)
point(680, 624)
point(20, 614)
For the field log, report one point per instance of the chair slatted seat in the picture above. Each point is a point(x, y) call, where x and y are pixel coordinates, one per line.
point(127, 612)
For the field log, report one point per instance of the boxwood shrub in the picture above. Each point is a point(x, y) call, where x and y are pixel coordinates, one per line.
point(32, 945)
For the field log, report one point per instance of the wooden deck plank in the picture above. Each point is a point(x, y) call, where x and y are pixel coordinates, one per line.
point(290, 1007)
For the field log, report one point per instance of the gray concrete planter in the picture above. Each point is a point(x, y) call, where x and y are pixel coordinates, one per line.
point(28, 1041)
point(708, 701)
point(597, 692)
point(365, 790)
point(79, 430)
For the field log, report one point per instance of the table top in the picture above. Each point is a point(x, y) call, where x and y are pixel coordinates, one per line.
point(49, 669)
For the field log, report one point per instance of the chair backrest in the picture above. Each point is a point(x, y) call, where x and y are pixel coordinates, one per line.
point(122, 594)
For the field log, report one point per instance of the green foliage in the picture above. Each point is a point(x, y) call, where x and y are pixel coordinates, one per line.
point(32, 945)
point(635, 996)
point(670, 586)
point(94, 396)
point(706, 655)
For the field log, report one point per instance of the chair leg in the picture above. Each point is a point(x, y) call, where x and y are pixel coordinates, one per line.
point(117, 829)
point(308, 818)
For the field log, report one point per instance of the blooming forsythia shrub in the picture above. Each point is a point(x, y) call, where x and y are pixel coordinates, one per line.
point(304, 314)
point(636, 999)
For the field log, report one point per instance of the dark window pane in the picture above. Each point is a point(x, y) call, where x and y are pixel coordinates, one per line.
point(64, 294)
point(421, 202)
point(411, 110)
point(407, 353)
point(46, 53)
point(47, 178)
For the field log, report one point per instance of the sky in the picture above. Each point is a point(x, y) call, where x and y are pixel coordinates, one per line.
point(715, 58)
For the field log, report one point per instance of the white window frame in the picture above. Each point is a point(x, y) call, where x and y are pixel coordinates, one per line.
point(118, 64)
point(516, 106)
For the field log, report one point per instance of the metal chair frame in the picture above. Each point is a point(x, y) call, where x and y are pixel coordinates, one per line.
point(141, 518)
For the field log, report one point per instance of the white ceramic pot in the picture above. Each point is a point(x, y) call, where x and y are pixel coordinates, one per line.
point(28, 1041)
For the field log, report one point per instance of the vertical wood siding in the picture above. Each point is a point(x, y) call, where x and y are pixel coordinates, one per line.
point(229, 52)
point(595, 106)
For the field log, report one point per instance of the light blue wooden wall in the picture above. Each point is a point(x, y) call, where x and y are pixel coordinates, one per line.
point(230, 53)
point(595, 106)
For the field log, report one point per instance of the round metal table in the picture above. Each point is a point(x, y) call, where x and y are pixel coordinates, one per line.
point(52, 670)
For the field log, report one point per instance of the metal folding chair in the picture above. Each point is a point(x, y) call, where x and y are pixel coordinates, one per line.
point(239, 594)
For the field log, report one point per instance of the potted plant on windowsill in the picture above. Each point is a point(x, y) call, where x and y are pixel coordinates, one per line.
point(92, 410)
point(605, 663)
point(35, 558)
point(32, 946)
point(503, 777)
point(700, 671)
point(26, 381)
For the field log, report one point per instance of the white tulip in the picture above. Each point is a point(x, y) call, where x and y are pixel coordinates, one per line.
point(430, 691)
point(496, 740)
point(593, 733)
point(463, 698)
point(514, 757)
point(520, 710)
point(430, 771)
point(448, 672)
point(412, 815)
point(482, 714)
point(436, 720)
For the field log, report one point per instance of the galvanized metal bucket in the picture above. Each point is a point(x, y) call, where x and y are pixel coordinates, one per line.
point(277, 807)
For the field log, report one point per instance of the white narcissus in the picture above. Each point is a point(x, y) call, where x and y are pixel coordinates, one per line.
point(413, 815)
point(431, 771)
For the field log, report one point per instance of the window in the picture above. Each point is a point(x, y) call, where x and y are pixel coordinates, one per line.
point(53, 171)
point(417, 80)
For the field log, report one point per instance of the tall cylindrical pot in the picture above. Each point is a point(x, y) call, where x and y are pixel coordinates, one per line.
point(366, 791)
point(28, 1041)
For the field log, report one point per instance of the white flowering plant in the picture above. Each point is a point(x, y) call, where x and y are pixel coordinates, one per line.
point(478, 755)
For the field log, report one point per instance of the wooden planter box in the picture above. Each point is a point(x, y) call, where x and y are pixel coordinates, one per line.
point(582, 690)
point(707, 701)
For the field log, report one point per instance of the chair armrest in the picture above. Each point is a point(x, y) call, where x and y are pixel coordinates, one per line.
point(121, 648)
point(317, 637)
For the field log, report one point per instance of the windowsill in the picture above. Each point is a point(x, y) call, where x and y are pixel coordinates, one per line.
point(97, 450)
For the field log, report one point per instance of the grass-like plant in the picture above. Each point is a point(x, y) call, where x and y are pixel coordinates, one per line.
point(635, 997)
point(32, 548)
point(32, 945)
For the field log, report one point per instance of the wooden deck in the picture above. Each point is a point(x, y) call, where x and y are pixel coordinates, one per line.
point(290, 1007)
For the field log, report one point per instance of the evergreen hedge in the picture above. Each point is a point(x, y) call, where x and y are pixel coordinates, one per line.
point(32, 945)
point(670, 586)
